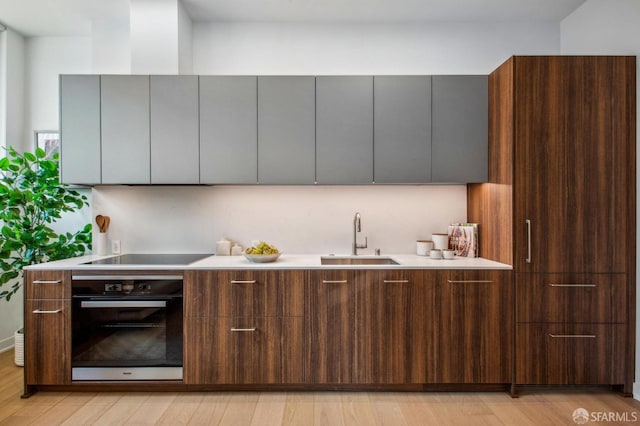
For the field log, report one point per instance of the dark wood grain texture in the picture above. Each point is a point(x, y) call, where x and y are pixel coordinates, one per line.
point(476, 327)
point(491, 204)
point(244, 327)
point(329, 328)
point(47, 342)
point(573, 155)
point(573, 356)
point(392, 326)
point(571, 298)
point(47, 284)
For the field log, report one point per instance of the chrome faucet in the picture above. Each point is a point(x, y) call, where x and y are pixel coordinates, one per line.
point(357, 228)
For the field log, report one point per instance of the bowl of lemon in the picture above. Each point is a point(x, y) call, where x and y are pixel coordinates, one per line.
point(262, 253)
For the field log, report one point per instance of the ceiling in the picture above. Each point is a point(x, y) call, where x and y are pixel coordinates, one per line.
point(73, 17)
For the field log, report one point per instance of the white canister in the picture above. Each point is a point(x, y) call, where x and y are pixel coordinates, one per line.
point(440, 241)
point(237, 250)
point(223, 248)
point(100, 244)
point(423, 247)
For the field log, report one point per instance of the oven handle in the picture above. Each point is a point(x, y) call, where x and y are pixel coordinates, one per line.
point(123, 304)
point(126, 277)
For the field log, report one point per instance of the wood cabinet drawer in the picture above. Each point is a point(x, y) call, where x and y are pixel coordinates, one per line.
point(244, 350)
point(48, 284)
point(599, 298)
point(47, 342)
point(565, 354)
point(244, 293)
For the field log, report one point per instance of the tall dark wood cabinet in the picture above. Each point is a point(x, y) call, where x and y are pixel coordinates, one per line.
point(560, 207)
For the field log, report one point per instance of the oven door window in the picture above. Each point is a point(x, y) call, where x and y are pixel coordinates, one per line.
point(127, 333)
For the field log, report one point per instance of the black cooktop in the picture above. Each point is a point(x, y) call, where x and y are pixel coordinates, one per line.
point(151, 259)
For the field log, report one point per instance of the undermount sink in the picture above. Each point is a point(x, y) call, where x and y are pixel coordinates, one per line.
point(331, 260)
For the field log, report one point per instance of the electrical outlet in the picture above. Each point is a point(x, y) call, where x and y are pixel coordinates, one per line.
point(115, 246)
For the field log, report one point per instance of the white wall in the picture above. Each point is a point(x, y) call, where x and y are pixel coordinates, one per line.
point(443, 48)
point(12, 68)
point(12, 112)
point(608, 27)
point(154, 36)
point(110, 47)
point(46, 58)
point(297, 219)
point(185, 41)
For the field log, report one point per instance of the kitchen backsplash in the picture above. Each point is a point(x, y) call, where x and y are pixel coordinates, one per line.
point(297, 219)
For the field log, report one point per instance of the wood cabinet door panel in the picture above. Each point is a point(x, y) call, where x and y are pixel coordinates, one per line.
point(596, 298)
point(390, 327)
point(48, 342)
point(48, 284)
point(476, 327)
point(574, 154)
point(244, 293)
point(244, 350)
point(566, 354)
point(330, 326)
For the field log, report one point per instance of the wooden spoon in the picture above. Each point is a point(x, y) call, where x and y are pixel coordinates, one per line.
point(100, 220)
point(107, 220)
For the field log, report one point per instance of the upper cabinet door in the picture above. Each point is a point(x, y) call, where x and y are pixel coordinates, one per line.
point(125, 129)
point(174, 129)
point(344, 130)
point(286, 130)
point(228, 130)
point(80, 129)
point(402, 129)
point(459, 144)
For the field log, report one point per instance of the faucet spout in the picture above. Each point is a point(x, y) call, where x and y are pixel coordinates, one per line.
point(357, 227)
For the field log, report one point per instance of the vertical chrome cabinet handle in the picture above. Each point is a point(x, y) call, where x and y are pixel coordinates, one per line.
point(528, 259)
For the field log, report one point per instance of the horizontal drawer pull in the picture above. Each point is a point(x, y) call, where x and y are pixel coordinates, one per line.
point(40, 311)
point(572, 285)
point(47, 282)
point(243, 330)
point(334, 281)
point(243, 282)
point(396, 281)
point(572, 336)
point(468, 281)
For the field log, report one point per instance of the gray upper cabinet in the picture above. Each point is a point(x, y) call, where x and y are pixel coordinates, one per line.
point(460, 128)
point(402, 129)
point(286, 130)
point(344, 130)
point(125, 129)
point(80, 129)
point(228, 130)
point(174, 129)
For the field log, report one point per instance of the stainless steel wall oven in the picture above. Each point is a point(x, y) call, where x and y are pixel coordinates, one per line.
point(126, 327)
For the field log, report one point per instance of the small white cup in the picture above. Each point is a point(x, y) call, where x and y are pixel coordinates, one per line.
point(448, 254)
point(436, 254)
point(440, 241)
point(423, 247)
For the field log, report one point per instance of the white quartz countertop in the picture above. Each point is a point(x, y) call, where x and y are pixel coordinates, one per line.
point(286, 261)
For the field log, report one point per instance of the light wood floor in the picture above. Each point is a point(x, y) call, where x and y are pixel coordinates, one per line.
point(297, 408)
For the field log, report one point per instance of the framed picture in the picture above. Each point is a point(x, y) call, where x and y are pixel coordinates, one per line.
point(48, 140)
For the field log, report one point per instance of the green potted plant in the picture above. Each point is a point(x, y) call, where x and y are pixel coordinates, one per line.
point(32, 198)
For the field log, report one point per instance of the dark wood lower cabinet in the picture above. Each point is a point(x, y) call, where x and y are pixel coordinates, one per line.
point(566, 354)
point(47, 341)
point(229, 350)
point(475, 333)
point(392, 326)
point(329, 331)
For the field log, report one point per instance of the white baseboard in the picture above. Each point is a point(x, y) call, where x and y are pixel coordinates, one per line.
point(7, 344)
point(636, 391)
